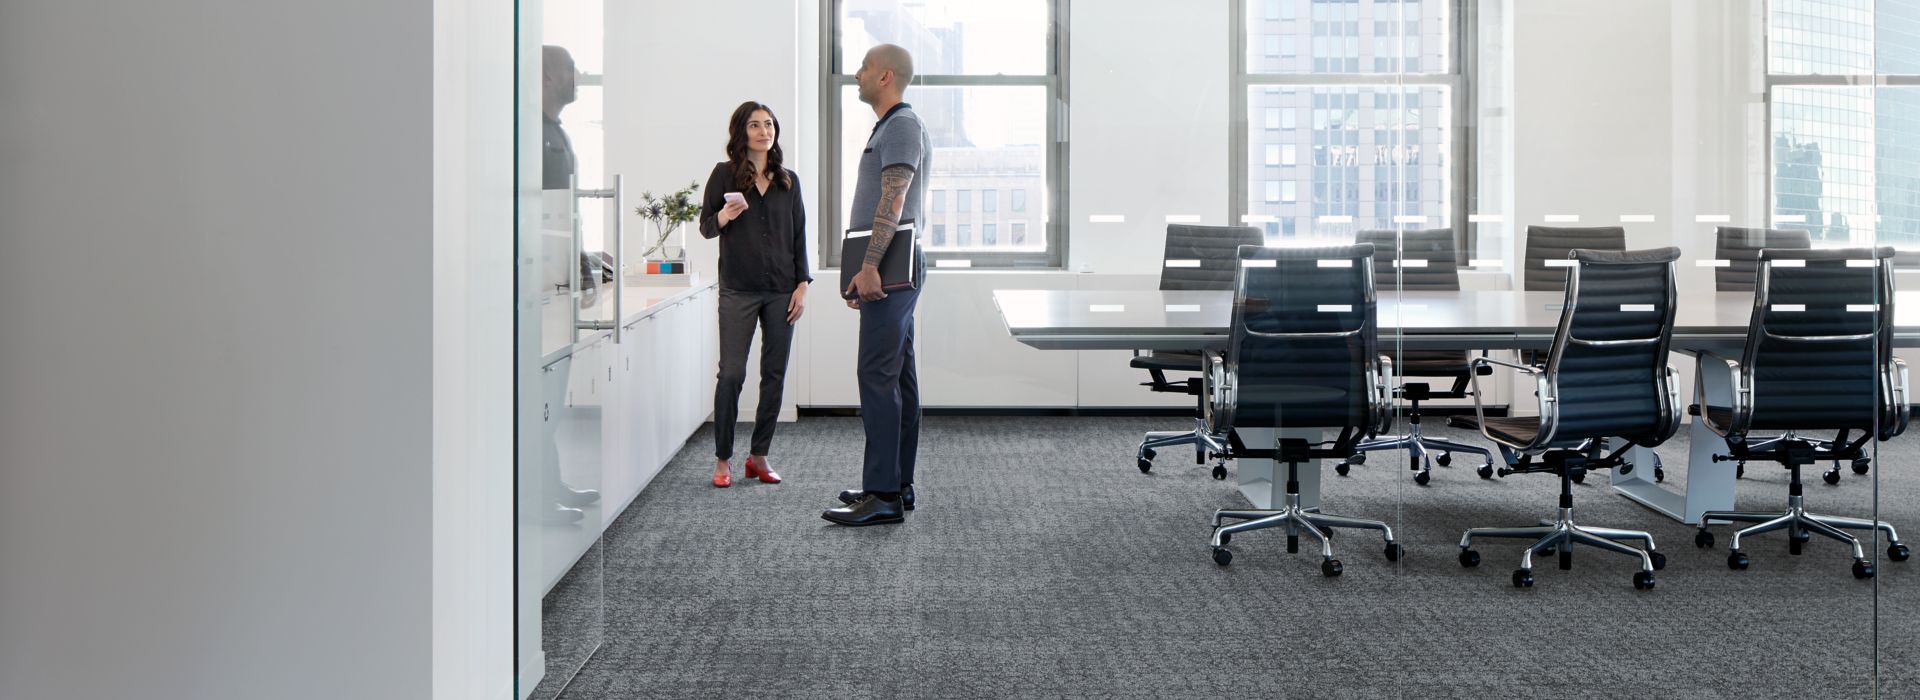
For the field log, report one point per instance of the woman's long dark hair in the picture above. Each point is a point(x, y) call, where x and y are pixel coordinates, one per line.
point(743, 171)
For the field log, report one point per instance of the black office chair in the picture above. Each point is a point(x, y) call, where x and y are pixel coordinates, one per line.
point(1741, 247)
point(1202, 258)
point(1545, 243)
point(1304, 355)
point(1819, 345)
point(1606, 375)
point(1440, 271)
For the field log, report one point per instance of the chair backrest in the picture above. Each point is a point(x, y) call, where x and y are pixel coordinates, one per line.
point(1546, 243)
point(1821, 333)
point(1202, 257)
point(1740, 247)
point(1305, 344)
point(1608, 365)
point(1439, 271)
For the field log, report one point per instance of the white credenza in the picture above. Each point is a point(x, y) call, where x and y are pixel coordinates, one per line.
point(614, 413)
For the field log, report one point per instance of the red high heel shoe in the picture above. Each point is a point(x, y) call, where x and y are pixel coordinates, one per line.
point(757, 468)
point(722, 474)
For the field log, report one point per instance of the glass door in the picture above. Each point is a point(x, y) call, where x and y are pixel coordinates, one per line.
point(568, 252)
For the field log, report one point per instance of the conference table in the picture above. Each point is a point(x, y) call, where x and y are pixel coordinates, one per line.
point(1470, 320)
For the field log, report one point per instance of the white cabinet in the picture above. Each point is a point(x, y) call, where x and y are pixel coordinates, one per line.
point(658, 390)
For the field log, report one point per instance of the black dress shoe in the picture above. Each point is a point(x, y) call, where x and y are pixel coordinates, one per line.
point(906, 495)
point(868, 509)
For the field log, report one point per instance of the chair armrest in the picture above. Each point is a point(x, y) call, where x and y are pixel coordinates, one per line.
point(1381, 400)
point(1740, 388)
point(1896, 378)
point(1543, 390)
point(1218, 383)
point(1672, 424)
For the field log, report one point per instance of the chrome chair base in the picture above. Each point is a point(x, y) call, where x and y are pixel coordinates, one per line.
point(1296, 520)
point(1559, 535)
point(1420, 450)
point(1800, 526)
point(1206, 444)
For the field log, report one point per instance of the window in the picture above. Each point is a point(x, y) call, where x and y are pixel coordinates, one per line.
point(939, 235)
point(1843, 93)
point(989, 235)
point(939, 201)
point(989, 89)
point(1379, 82)
point(1019, 233)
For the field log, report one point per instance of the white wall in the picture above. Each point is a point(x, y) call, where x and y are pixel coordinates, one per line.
point(665, 128)
point(217, 403)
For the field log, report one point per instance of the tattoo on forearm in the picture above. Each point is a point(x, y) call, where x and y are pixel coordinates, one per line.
point(894, 183)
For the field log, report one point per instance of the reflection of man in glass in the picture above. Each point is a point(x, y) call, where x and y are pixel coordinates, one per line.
point(557, 90)
point(562, 503)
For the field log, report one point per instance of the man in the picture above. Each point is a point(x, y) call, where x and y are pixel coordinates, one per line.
point(889, 193)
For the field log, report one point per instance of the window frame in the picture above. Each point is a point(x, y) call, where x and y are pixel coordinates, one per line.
point(1873, 81)
point(1462, 66)
point(1053, 216)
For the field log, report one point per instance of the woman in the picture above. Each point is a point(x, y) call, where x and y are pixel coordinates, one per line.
point(752, 205)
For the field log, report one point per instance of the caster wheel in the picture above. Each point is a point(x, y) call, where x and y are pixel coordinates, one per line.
point(1330, 568)
point(1580, 477)
point(1522, 578)
point(1485, 471)
point(1394, 551)
point(1898, 552)
point(1221, 556)
point(1423, 478)
point(1659, 560)
point(1737, 561)
point(1145, 464)
point(1293, 544)
point(1643, 581)
point(1703, 539)
point(1740, 470)
point(1862, 570)
point(1860, 465)
point(1342, 468)
point(1831, 477)
point(1219, 472)
point(1469, 558)
point(1659, 475)
point(1445, 459)
point(1566, 559)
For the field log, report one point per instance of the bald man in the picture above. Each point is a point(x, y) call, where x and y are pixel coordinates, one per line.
point(889, 193)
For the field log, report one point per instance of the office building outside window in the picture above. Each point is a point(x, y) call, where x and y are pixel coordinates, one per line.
point(989, 89)
point(1379, 83)
point(1843, 92)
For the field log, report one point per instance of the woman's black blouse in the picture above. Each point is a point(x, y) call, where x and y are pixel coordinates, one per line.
point(765, 249)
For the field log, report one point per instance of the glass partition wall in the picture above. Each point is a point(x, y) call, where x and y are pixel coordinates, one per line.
point(568, 307)
point(1474, 143)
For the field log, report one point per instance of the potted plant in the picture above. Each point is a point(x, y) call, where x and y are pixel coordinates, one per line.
point(669, 213)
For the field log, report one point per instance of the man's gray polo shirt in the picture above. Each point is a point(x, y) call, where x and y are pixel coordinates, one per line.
point(899, 139)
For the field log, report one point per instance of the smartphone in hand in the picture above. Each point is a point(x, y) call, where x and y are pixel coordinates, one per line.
point(735, 198)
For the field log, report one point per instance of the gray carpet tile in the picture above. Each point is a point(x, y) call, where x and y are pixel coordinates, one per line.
point(1041, 563)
